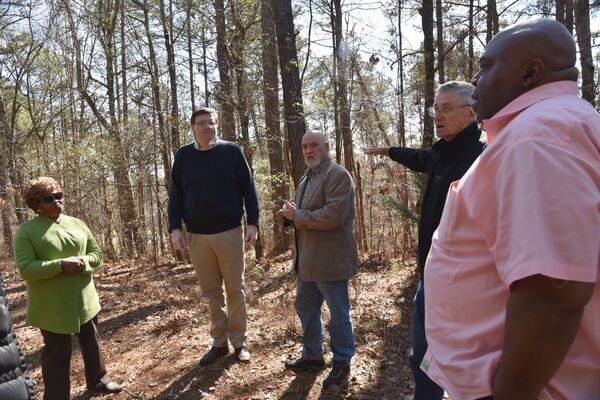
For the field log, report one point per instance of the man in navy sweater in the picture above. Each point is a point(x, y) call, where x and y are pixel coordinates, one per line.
point(211, 186)
point(446, 161)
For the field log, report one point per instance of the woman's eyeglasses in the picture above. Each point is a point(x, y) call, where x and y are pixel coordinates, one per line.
point(53, 196)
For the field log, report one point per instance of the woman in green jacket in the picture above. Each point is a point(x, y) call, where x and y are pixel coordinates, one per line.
point(56, 255)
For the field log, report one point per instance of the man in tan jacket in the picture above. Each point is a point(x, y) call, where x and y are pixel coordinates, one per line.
point(322, 214)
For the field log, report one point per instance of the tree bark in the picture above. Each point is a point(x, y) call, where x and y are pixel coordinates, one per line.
point(569, 17)
point(428, 92)
point(439, 23)
point(560, 11)
point(292, 89)
point(582, 26)
point(167, 25)
point(272, 123)
point(401, 129)
point(156, 99)
point(342, 56)
point(224, 92)
point(204, 65)
point(471, 37)
point(188, 26)
point(237, 59)
point(335, 84)
point(5, 183)
point(491, 20)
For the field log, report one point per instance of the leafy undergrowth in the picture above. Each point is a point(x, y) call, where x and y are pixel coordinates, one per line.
point(154, 329)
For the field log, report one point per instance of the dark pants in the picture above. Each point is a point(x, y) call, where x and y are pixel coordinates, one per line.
point(425, 388)
point(56, 360)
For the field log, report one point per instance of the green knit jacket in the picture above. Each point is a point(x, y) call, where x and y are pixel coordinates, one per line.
point(57, 302)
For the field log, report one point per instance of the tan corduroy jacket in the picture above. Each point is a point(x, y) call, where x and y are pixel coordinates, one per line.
point(324, 224)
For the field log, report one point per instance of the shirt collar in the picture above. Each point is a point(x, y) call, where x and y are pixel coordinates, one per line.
point(311, 172)
point(469, 134)
point(495, 124)
point(212, 144)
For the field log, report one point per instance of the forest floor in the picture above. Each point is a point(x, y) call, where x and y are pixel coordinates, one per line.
point(154, 328)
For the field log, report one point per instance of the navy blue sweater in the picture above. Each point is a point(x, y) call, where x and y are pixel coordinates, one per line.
point(210, 189)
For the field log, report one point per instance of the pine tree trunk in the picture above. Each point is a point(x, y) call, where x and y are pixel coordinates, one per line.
point(292, 89)
point(335, 84)
point(491, 20)
point(471, 37)
point(272, 124)
point(582, 26)
point(156, 99)
point(167, 25)
point(427, 23)
point(5, 202)
point(342, 56)
point(188, 27)
point(401, 129)
point(224, 92)
point(439, 23)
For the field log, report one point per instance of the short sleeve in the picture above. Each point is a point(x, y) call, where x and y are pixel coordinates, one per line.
point(548, 214)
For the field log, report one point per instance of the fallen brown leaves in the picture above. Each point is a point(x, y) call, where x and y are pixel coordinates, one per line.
point(154, 328)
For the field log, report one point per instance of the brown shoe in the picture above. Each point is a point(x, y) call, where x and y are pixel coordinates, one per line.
point(213, 355)
point(242, 354)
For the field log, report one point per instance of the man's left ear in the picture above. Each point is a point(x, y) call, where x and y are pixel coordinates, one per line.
point(534, 72)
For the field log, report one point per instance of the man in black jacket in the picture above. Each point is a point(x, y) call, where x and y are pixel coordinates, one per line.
point(14, 379)
point(446, 161)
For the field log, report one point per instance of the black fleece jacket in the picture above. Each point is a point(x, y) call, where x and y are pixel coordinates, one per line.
point(14, 380)
point(445, 162)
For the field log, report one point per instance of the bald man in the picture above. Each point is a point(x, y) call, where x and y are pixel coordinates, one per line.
point(325, 258)
point(511, 281)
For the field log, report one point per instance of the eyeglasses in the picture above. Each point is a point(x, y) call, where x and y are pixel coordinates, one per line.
point(53, 196)
point(205, 124)
point(444, 110)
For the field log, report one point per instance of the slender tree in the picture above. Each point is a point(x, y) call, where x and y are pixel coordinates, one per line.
point(427, 23)
point(292, 90)
point(224, 91)
point(439, 24)
point(153, 70)
point(167, 25)
point(188, 27)
point(342, 56)
point(272, 123)
point(126, 204)
point(582, 26)
point(471, 38)
point(491, 20)
point(5, 182)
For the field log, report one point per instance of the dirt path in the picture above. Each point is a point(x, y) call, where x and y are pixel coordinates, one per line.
point(154, 329)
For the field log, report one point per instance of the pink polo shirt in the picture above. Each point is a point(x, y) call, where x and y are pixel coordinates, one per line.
point(529, 205)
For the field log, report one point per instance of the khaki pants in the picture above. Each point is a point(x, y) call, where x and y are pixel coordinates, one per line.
point(219, 258)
